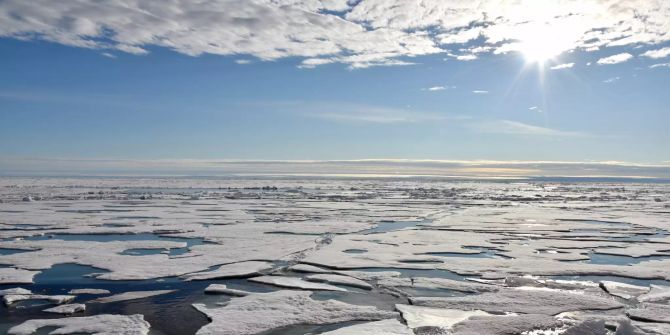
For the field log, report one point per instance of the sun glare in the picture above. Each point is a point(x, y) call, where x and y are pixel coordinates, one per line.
point(542, 42)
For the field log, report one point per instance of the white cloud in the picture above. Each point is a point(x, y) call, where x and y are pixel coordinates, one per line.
point(480, 92)
point(615, 59)
point(131, 49)
point(611, 80)
point(520, 128)
point(311, 63)
point(360, 33)
point(535, 109)
point(562, 66)
point(243, 61)
point(659, 65)
point(659, 53)
point(460, 36)
point(436, 88)
point(466, 57)
point(108, 55)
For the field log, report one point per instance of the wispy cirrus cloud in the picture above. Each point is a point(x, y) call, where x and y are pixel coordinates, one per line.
point(480, 92)
point(615, 59)
point(611, 80)
point(359, 34)
point(510, 127)
point(659, 65)
point(361, 113)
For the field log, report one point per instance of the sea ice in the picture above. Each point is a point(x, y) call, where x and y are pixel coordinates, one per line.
point(437, 283)
point(339, 280)
point(106, 324)
point(223, 289)
point(16, 276)
point(545, 301)
point(418, 316)
point(67, 309)
point(55, 299)
point(383, 327)
point(293, 282)
point(260, 312)
point(131, 295)
point(651, 313)
point(16, 290)
point(657, 293)
point(508, 324)
point(92, 291)
point(622, 290)
point(234, 270)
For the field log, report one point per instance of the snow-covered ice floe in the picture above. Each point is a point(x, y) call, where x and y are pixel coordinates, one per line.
point(98, 325)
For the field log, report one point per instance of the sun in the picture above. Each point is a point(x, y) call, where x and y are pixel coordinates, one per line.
point(538, 50)
point(541, 42)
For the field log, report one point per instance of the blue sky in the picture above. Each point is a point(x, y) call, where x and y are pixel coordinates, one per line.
point(67, 92)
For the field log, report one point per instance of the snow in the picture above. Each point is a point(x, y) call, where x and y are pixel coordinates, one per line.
point(16, 276)
point(294, 282)
point(657, 293)
point(622, 290)
point(261, 312)
point(339, 280)
point(92, 291)
point(235, 270)
point(106, 324)
point(537, 301)
point(67, 309)
point(223, 289)
point(650, 312)
point(418, 316)
point(384, 327)
point(16, 290)
point(10, 299)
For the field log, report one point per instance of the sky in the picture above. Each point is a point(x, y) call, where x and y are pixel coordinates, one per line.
point(567, 81)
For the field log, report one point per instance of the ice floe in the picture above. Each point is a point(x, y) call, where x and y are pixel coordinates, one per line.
point(16, 276)
point(623, 290)
point(92, 291)
point(260, 312)
point(223, 289)
point(234, 270)
point(339, 280)
point(657, 293)
point(650, 312)
point(10, 299)
point(383, 327)
point(67, 309)
point(294, 282)
point(106, 324)
point(131, 295)
point(535, 324)
point(549, 302)
point(419, 316)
